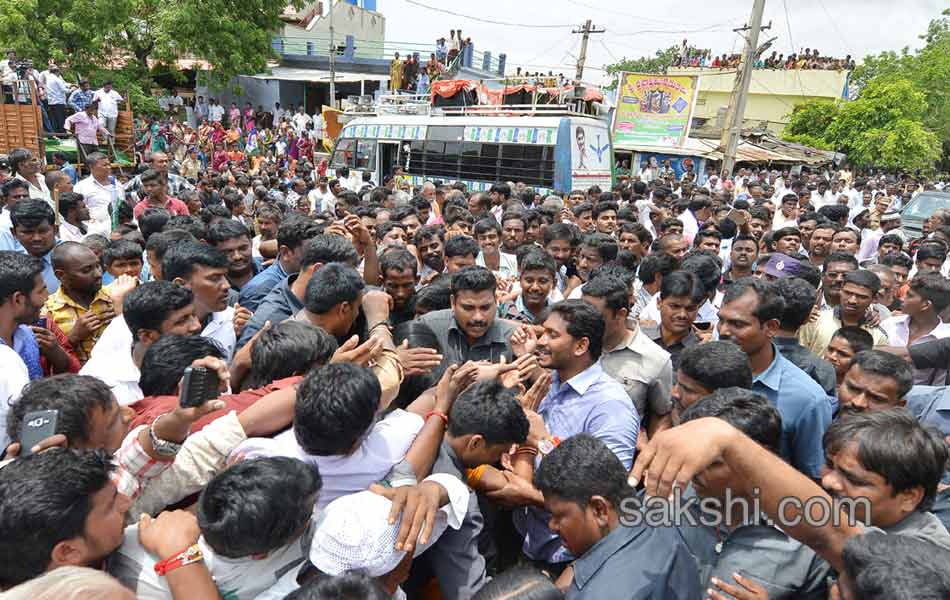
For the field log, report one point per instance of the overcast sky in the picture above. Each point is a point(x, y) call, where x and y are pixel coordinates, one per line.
point(836, 27)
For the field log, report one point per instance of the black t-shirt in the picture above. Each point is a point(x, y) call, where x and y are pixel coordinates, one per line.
point(932, 355)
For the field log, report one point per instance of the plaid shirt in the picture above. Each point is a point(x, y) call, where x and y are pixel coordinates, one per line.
point(135, 467)
point(65, 312)
point(80, 99)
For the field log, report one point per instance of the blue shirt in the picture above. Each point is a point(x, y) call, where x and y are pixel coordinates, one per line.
point(636, 562)
point(805, 409)
point(590, 402)
point(8, 242)
point(71, 171)
point(253, 293)
point(24, 344)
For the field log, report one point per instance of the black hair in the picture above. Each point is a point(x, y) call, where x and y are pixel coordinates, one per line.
point(840, 257)
point(73, 396)
point(491, 410)
point(656, 264)
point(717, 364)
point(351, 585)
point(459, 214)
point(149, 304)
point(18, 274)
point(152, 221)
point(214, 211)
point(435, 296)
point(152, 175)
point(583, 321)
point(257, 505)
point(858, 338)
point(934, 288)
point(614, 291)
point(520, 582)
point(14, 184)
point(897, 259)
point(800, 297)
point(486, 225)
point(398, 259)
point(324, 249)
point(473, 279)
point(384, 228)
point(189, 223)
point(925, 251)
point(582, 208)
point(287, 349)
point(330, 285)
point(605, 245)
point(706, 266)
point(891, 238)
point(536, 259)
point(750, 413)
point(603, 207)
point(419, 335)
point(460, 245)
point(896, 567)
point(514, 215)
point(159, 243)
point(561, 231)
point(122, 250)
point(181, 259)
point(68, 201)
point(580, 468)
point(708, 233)
point(501, 188)
point(46, 498)
point(786, 231)
point(893, 444)
point(165, 362)
point(865, 279)
point(884, 364)
point(834, 212)
point(294, 231)
point(335, 407)
point(31, 213)
point(770, 304)
point(683, 284)
point(428, 231)
point(760, 213)
point(402, 212)
point(226, 230)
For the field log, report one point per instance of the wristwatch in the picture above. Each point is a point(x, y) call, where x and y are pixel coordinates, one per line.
point(547, 445)
point(163, 448)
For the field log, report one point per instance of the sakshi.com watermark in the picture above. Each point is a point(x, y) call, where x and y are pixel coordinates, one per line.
point(735, 511)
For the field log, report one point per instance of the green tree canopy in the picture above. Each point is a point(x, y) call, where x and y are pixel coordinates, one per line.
point(901, 118)
point(658, 63)
point(122, 39)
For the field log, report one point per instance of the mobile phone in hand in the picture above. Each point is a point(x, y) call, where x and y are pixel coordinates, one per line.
point(198, 386)
point(43, 322)
point(37, 426)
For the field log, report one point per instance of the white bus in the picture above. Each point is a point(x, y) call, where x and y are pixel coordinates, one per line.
point(552, 150)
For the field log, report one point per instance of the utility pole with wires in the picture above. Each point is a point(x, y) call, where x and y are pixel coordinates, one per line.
point(586, 30)
point(732, 128)
point(332, 59)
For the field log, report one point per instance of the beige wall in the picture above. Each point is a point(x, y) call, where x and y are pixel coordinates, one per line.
point(772, 93)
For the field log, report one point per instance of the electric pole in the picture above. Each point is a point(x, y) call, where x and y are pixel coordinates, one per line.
point(586, 30)
point(732, 128)
point(332, 59)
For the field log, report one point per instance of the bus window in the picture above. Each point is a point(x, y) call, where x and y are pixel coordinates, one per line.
point(366, 155)
point(444, 163)
point(343, 154)
point(547, 167)
point(416, 162)
point(488, 163)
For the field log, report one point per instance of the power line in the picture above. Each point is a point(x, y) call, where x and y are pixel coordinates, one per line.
point(609, 53)
point(489, 21)
point(788, 25)
point(706, 29)
point(627, 14)
point(841, 37)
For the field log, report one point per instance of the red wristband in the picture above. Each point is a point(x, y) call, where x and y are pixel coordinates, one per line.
point(189, 555)
point(440, 414)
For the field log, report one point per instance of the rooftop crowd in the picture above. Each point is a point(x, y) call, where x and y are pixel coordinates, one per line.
point(807, 59)
point(429, 392)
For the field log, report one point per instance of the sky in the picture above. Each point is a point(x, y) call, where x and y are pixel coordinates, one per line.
point(634, 29)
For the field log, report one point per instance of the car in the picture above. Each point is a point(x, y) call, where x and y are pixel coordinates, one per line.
point(919, 210)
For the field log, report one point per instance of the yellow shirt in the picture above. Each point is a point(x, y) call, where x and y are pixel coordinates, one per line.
point(816, 336)
point(65, 312)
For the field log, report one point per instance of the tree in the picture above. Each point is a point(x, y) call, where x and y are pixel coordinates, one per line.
point(645, 64)
point(901, 118)
point(123, 39)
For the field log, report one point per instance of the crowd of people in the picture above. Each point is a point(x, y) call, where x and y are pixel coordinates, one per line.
point(807, 59)
point(428, 392)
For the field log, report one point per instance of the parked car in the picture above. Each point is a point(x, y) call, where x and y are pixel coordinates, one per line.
point(919, 210)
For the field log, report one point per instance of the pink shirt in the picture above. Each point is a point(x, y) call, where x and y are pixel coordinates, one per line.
point(172, 205)
point(86, 127)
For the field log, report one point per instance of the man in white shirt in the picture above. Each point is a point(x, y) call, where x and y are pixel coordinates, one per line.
point(927, 297)
point(108, 106)
point(215, 111)
point(301, 120)
point(100, 190)
point(278, 114)
point(151, 310)
point(56, 93)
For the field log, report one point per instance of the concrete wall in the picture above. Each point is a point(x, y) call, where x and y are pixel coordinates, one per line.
point(366, 26)
point(772, 93)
